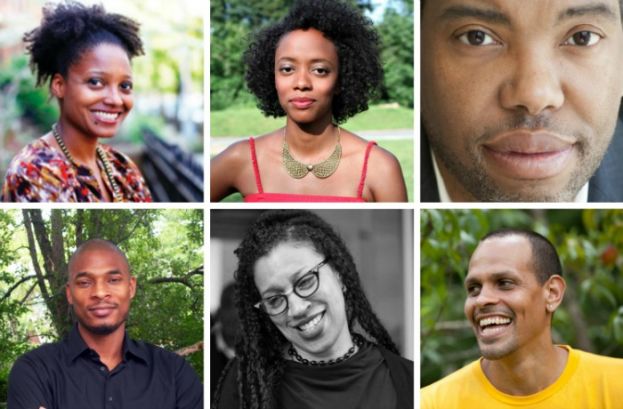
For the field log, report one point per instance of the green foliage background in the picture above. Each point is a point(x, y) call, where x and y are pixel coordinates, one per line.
point(165, 251)
point(589, 243)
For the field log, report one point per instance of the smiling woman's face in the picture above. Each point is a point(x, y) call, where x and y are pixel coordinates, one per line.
point(96, 95)
point(316, 326)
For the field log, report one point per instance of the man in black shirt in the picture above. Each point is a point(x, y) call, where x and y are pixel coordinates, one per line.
point(97, 365)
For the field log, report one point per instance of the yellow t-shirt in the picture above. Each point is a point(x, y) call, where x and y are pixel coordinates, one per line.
point(588, 381)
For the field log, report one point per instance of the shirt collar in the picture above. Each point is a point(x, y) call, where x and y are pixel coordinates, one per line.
point(444, 197)
point(75, 346)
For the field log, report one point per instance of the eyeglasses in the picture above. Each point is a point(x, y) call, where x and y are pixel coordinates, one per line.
point(304, 287)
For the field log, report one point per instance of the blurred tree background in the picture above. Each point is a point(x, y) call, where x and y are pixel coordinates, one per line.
point(168, 79)
point(165, 251)
point(589, 243)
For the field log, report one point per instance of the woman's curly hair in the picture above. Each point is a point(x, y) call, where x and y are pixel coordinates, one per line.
point(259, 351)
point(68, 29)
point(357, 43)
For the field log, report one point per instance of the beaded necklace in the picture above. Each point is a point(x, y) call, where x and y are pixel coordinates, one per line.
point(358, 342)
point(117, 197)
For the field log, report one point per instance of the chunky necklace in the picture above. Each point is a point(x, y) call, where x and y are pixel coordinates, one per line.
point(321, 170)
point(358, 342)
point(117, 197)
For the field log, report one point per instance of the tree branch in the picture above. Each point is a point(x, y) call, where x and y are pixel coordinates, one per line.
point(14, 286)
point(185, 279)
point(139, 222)
point(32, 248)
point(191, 349)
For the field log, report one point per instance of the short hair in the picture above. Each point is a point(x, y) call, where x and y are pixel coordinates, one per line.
point(360, 72)
point(69, 29)
point(96, 244)
point(545, 259)
point(259, 351)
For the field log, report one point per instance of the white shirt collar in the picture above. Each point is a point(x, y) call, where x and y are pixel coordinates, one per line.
point(444, 197)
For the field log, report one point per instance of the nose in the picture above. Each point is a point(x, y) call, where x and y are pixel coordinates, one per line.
point(113, 97)
point(297, 306)
point(534, 83)
point(100, 290)
point(486, 296)
point(302, 80)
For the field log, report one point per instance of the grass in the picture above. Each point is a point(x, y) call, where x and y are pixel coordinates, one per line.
point(249, 121)
point(402, 149)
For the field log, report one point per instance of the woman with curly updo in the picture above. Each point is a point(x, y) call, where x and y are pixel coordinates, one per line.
point(299, 301)
point(83, 54)
point(318, 67)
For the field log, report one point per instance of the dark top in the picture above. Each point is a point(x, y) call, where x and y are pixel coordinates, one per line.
point(362, 382)
point(373, 378)
point(70, 375)
point(606, 185)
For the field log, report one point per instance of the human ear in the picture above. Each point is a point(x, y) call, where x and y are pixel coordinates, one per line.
point(132, 287)
point(70, 300)
point(554, 289)
point(57, 86)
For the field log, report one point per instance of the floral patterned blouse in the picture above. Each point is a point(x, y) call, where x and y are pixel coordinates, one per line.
point(40, 173)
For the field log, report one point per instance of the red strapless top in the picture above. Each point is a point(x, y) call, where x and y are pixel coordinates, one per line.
point(262, 196)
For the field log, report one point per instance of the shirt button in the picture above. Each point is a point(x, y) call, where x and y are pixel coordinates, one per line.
point(102, 368)
point(110, 399)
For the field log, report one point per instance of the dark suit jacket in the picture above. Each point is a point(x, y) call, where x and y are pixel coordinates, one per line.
point(606, 185)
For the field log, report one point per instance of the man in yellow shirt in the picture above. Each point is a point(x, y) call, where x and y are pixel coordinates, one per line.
point(514, 284)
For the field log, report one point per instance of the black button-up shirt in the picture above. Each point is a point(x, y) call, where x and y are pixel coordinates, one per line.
point(70, 375)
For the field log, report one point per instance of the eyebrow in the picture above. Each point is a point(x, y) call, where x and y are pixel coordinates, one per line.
point(594, 9)
point(497, 17)
point(491, 16)
point(495, 276)
point(313, 61)
point(86, 273)
point(297, 276)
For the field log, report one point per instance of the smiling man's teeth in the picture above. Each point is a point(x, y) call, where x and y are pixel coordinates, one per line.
point(311, 324)
point(494, 321)
point(106, 116)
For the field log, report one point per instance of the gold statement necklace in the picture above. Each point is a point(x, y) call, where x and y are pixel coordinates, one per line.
point(116, 192)
point(321, 170)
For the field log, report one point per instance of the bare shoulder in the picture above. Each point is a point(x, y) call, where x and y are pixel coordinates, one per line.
point(378, 156)
point(234, 154)
point(384, 179)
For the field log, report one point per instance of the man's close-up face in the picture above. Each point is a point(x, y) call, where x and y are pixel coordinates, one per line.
point(520, 98)
point(100, 288)
point(505, 303)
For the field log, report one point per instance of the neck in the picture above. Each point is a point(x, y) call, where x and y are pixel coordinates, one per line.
point(80, 146)
point(109, 347)
point(526, 375)
point(340, 347)
point(310, 139)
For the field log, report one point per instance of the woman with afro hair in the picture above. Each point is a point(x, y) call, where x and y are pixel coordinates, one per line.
point(83, 54)
point(300, 304)
point(317, 67)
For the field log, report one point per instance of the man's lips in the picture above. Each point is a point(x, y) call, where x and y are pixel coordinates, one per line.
point(529, 155)
point(102, 310)
point(302, 103)
point(490, 326)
